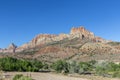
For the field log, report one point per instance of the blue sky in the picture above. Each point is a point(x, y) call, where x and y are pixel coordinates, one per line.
point(22, 20)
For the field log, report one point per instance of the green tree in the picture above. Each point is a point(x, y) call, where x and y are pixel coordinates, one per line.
point(85, 67)
point(60, 66)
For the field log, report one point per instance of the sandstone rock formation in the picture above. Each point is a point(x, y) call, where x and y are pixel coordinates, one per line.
point(41, 39)
point(11, 49)
point(79, 44)
point(82, 33)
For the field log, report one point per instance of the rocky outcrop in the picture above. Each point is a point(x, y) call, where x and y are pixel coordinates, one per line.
point(11, 49)
point(81, 32)
point(38, 40)
point(41, 39)
point(99, 39)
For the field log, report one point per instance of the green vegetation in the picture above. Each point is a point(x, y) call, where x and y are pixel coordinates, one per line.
point(101, 68)
point(114, 43)
point(17, 76)
point(60, 66)
point(21, 77)
point(13, 64)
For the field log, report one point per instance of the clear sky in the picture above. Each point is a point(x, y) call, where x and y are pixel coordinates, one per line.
point(22, 20)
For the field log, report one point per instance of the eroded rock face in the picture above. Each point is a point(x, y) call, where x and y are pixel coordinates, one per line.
point(79, 32)
point(99, 39)
point(41, 39)
point(82, 33)
point(11, 49)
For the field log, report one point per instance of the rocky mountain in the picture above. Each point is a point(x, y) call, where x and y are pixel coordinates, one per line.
point(80, 44)
point(79, 32)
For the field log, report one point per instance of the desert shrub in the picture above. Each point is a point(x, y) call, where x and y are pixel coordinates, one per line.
point(113, 67)
point(101, 71)
point(60, 66)
point(21, 77)
point(24, 78)
point(13, 64)
point(17, 76)
point(73, 67)
point(85, 67)
point(107, 69)
point(116, 74)
point(45, 66)
point(101, 68)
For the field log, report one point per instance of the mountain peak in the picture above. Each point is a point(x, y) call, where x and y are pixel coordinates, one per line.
point(82, 32)
point(76, 30)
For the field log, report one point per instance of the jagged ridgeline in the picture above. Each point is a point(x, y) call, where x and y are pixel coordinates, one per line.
point(80, 45)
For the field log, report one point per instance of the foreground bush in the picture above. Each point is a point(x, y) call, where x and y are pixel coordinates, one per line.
point(13, 64)
point(18, 76)
point(60, 66)
point(116, 74)
point(101, 68)
point(21, 77)
point(81, 67)
point(24, 78)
